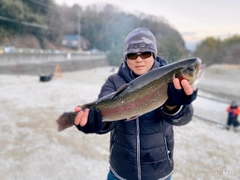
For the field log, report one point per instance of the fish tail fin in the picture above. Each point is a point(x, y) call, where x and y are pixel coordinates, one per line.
point(66, 120)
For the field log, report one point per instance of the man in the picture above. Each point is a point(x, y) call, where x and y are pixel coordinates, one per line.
point(141, 148)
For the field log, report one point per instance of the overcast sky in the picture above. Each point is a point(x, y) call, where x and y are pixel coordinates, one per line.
point(194, 19)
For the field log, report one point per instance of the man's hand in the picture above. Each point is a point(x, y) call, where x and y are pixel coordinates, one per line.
point(184, 84)
point(179, 93)
point(82, 116)
point(88, 120)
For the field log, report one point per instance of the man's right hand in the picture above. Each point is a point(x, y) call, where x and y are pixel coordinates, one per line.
point(82, 116)
point(88, 120)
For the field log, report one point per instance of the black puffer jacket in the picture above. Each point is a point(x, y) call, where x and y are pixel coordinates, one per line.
point(142, 148)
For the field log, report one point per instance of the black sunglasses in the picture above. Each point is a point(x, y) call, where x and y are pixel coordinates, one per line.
point(143, 55)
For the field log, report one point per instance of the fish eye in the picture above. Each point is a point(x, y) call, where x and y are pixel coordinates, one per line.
point(190, 69)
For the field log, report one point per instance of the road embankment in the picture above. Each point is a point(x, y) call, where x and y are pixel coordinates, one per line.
point(36, 64)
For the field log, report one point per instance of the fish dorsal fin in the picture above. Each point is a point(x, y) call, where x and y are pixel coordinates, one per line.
point(112, 95)
point(121, 89)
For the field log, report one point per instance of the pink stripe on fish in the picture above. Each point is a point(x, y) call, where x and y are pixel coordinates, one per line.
point(130, 106)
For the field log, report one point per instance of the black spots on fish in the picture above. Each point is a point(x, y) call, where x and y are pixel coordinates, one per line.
point(178, 75)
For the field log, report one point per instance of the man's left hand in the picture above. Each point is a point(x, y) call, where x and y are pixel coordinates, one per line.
point(180, 93)
point(183, 84)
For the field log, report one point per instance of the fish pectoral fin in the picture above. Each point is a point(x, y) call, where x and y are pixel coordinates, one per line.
point(131, 118)
point(121, 89)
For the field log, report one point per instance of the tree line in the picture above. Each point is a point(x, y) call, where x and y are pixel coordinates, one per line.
point(103, 28)
point(217, 51)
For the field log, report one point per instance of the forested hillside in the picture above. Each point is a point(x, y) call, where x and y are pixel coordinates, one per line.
point(103, 28)
point(42, 24)
point(215, 51)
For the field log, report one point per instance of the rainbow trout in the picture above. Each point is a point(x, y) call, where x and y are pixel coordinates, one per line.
point(141, 95)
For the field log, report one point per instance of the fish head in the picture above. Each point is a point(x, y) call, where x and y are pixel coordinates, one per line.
point(192, 73)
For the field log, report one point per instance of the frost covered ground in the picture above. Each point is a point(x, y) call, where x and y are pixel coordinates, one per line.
point(31, 147)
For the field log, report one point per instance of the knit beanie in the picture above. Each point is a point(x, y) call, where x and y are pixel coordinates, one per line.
point(140, 40)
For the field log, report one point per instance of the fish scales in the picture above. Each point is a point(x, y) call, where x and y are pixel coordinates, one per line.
point(136, 103)
point(142, 95)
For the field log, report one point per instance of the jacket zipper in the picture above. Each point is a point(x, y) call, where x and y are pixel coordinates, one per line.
point(165, 141)
point(138, 150)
